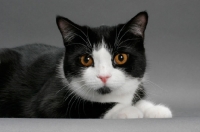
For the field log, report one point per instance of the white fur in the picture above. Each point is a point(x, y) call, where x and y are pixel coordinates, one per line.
point(143, 105)
point(151, 110)
point(123, 88)
point(142, 109)
point(121, 111)
point(121, 85)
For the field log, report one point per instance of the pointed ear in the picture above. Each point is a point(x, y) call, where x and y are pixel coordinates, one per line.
point(66, 27)
point(138, 23)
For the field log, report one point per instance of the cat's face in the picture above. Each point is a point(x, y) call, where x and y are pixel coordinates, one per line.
point(105, 60)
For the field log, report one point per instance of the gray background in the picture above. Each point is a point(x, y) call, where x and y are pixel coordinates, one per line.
point(172, 39)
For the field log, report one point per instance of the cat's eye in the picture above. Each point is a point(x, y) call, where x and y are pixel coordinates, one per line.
point(121, 59)
point(86, 60)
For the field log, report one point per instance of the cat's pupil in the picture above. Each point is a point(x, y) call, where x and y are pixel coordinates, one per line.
point(120, 57)
point(86, 59)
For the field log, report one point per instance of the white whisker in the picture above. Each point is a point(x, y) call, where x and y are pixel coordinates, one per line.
point(78, 44)
point(122, 36)
point(126, 41)
point(82, 33)
point(119, 33)
point(150, 82)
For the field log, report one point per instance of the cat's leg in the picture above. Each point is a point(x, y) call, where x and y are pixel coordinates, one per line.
point(150, 110)
point(121, 111)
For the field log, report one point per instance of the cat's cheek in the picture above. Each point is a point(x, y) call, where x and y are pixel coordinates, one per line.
point(117, 80)
point(90, 78)
point(130, 85)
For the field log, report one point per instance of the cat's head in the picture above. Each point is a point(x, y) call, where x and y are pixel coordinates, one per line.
point(107, 60)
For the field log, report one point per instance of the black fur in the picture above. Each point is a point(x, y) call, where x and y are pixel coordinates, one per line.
point(29, 80)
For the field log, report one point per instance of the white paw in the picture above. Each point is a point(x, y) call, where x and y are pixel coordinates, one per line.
point(127, 113)
point(158, 111)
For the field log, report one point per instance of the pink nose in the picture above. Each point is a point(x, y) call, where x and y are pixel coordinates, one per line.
point(103, 78)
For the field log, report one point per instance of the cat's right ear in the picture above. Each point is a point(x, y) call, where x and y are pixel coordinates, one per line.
point(66, 27)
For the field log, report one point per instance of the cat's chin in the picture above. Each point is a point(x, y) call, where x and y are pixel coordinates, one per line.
point(104, 90)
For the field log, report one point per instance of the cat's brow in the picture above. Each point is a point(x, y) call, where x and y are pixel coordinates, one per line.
point(89, 46)
point(119, 45)
point(88, 38)
point(86, 46)
point(80, 37)
point(119, 41)
point(82, 33)
point(119, 33)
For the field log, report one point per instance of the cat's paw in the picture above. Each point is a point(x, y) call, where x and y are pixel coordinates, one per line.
point(127, 113)
point(158, 111)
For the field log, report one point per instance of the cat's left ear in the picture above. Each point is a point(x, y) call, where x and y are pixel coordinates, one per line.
point(66, 27)
point(137, 25)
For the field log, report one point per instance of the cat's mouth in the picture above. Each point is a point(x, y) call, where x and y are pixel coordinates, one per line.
point(104, 90)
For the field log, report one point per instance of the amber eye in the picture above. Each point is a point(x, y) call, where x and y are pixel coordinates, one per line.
point(86, 60)
point(121, 59)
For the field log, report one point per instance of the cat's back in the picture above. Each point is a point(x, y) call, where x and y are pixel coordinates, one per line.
point(26, 55)
point(26, 60)
point(30, 53)
point(23, 72)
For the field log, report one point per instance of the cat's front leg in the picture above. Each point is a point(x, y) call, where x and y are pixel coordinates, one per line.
point(121, 111)
point(151, 110)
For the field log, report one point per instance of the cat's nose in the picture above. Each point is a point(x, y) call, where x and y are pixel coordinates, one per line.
point(103, 78)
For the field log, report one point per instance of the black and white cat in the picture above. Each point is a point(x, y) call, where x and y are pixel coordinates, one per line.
point(99, 74)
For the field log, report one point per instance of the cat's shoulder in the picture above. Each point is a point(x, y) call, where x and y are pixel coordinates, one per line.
point(8, 64)
point(7, 55)
point(32, 56)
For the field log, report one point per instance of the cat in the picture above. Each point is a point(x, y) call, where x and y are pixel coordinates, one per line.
point(99, 74)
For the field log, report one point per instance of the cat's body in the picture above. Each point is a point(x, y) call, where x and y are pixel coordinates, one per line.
point(34, 88)
point(99, 74)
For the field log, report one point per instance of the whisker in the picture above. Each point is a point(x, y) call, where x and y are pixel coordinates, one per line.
point(122, 37)
point(124, 47)
point(73, 96)
point(78, 44)
point(128, 40)
point(88, 38)
point(150, 82)
point(120, 32)
point(78, 102)
point(148, 92)
point(81, 32)
point(72, 93)
point(76, 90)
point(115, 36)
point(71, 106)
point(80, 37)
point(88, 91)
point(61, 89)
point(79, 81)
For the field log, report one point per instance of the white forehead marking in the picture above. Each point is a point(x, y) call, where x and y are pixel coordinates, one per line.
point(102, 59)
point(101, 54)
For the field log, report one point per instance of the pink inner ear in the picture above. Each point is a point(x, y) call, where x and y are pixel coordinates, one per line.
point(63, 25)
point(65, 29)
point(139, 24)
point(142, 20)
